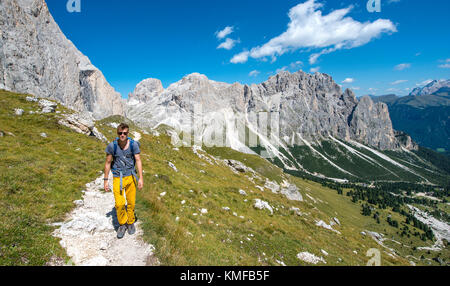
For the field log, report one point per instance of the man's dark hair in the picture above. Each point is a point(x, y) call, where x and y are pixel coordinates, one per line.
point(122, 126)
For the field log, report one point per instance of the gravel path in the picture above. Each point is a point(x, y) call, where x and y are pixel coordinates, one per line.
point(89, 233)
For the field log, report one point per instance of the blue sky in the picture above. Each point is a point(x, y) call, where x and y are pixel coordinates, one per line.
point(392, 51)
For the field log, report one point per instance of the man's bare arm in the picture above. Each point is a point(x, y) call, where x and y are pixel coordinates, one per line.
point(109, 159)
point(139, 167)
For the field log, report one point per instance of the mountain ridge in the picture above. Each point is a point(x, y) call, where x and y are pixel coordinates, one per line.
point(299, 90)
point(431, 88)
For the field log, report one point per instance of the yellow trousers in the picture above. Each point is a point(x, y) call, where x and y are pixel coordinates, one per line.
point(125, 215)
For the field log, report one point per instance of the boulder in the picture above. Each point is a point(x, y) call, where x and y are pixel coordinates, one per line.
point(259, 204)
point(292, 193)
point(18, 112)
point(47, 106)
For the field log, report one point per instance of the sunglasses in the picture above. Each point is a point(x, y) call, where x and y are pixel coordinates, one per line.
point(124, 133)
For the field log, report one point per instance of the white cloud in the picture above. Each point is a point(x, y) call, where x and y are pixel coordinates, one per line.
point(355, 88)
point(424, 83)
point(348, 80)
point(225, 32)
point(401, 67)
point(314, 70)
point(254, 73)
point(308, 28)
point(294, 66)
point(445, 65)
point(392, 89)
point(281, 69)
point(240, 58)
point(313, 58)
point(399, 81)
point(228, 44)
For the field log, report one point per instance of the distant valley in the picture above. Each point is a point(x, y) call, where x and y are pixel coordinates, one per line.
point(424, 114)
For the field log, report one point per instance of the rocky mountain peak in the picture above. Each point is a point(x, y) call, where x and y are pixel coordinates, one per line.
point(36, 58)
point(146, 90)
point(195, 77)
point(431, 87)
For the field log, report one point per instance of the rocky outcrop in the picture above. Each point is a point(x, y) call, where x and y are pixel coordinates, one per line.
point(371, 124)
point(36, 58)
point(82, 123)
point(309, 107)
point(406, 141)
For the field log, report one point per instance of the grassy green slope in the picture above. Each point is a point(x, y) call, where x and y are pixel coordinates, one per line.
point(40, 179)
point(329, 204)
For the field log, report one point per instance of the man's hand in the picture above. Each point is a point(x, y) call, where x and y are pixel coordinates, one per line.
point(107, 187)
point(141, 183)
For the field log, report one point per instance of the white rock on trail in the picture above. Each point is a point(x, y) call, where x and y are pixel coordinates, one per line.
point(89, 236)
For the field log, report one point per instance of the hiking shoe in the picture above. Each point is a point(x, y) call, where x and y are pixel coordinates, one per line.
point(121, 231)
point(131, 229)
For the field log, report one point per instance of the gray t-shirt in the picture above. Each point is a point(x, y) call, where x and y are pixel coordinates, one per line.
point(124, 159)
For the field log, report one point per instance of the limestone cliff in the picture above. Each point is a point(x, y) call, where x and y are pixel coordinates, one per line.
point(36, 58)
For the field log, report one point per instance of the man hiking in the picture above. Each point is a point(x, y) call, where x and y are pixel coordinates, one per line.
point(122, 156)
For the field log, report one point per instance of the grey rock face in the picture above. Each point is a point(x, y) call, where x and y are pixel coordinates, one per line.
point(310, 107)
point(431, 88)
point(371, 124)
point(36, 58)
